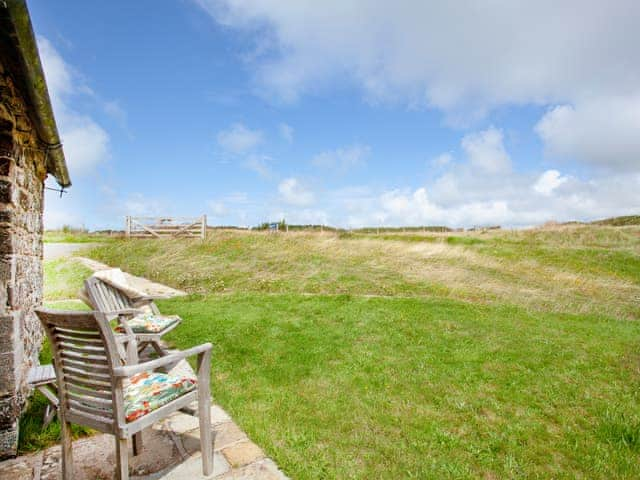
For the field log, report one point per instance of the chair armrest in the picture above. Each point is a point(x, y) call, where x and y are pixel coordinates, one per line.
point(120, 314)
point(175, 357)
point(123, 311)
point(150, 298)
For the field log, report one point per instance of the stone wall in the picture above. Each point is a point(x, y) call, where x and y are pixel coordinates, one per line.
point(22, 173)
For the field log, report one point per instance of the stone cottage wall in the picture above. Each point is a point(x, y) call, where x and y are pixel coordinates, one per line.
point(22, 173)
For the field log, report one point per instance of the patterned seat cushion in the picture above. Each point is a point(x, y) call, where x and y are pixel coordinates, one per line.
point(149, 323)
point(148, 391)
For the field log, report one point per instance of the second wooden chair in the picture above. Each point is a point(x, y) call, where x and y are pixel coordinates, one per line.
point(142, 314)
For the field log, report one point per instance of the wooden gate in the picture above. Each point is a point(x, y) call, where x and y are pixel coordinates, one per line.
point(161, 227)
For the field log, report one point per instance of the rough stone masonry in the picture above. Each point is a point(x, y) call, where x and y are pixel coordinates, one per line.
point(22, 173)
point(29, 150)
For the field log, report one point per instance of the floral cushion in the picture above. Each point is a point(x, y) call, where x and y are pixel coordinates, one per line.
point(148, 323)
point(148, 391)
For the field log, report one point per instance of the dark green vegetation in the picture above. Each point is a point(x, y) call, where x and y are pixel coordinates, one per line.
point(32, 436)
point(620, 221)
point(443, 355)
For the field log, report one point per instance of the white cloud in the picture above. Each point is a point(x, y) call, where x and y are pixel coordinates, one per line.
point(442, 160)
point(480, 189)
point(511, 200)
point(486, 151)
point(138, 204)
point(292, 192)
point(342, 159)
point(218, 208)
point(417, 208)
point(86, 143)
point(60, 79)
point(238, 139)
point(604, 132)
point(438, 53)
point(259, 164)
point(548, 182)
point(237, 198)
point(60, 211)
point(115, 111)
point(462, 61)
point(511, 207)
point(229, 205)
point(307, 217)
point(99, 206)
point(286, 132)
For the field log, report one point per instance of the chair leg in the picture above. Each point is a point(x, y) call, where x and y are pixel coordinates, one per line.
point(142, 346)
point(67, 454)
point(137, 443)
point(51, 394)
point(159, 350)
point(122, 459)
point(204, 414)
point(49, 414)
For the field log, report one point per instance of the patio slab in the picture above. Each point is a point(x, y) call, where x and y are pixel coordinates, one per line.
point(171, 452)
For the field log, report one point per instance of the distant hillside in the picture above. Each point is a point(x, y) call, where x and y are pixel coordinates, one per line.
point(619, 221)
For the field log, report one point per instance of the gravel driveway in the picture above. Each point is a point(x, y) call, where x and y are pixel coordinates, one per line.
point(53, 251)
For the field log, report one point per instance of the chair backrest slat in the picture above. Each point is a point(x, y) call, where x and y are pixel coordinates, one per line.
point(84, 375)
point(93, 368)
point(85, 353)
point(83, 390)
point(121, 299)
point(105, 297)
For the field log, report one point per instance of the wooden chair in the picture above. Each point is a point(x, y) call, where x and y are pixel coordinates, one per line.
point(96, 388)
point(111, 301)
point(43, 379)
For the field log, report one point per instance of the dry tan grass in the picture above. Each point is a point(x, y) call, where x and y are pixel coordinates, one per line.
point(329, 263)
point(471, 275)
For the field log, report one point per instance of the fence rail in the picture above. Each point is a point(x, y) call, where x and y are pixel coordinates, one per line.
point(163, 227)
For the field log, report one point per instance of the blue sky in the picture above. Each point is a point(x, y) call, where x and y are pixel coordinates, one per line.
point(344, 113)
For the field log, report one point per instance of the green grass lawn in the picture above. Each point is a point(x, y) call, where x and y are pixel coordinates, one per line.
point(348, 387)
point(436, 355)
point(63, 279)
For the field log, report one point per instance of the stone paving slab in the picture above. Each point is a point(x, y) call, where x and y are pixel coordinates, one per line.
point(171, 452)
point(242, 453)
point(264, 470)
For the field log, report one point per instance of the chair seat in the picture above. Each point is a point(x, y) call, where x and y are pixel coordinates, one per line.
point(41, 375)
point(149, 323)
point(148, 391)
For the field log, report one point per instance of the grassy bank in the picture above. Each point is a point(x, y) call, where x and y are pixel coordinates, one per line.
point(592, 270)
